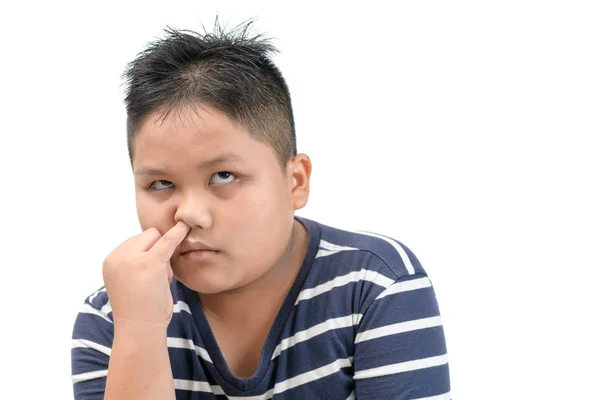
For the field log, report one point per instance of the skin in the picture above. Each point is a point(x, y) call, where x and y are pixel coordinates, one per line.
point(201, 177)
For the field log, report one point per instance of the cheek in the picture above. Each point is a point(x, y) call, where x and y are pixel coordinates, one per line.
point(264, 218)
point(153, 215)
point(265, 204)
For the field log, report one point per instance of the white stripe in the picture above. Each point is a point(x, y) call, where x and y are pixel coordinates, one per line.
point(88, 344)
point(329, 325)
point(181, 343)
point(334, 247)
point(313, 375)
point(363, 274)
point(327, 249)
point(405, 286)
point(445, 396)
point(197, 386)
point(96, 293)
point(400, 327)
point(87, 376)
point(107, 308)
point(399, 249)
point(352, 396)
point(267, 395)
point(181, 306)
point(324, 253)
point(87, 309)
point(402, 367)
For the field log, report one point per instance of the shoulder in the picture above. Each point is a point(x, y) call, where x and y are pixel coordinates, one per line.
point(374, 250)
point(356, 267)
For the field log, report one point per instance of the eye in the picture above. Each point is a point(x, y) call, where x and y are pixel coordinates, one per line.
point(221, 178)
point(161, 185)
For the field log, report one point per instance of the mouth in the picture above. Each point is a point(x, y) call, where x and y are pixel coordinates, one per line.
point(200, 254)
point(197, 251)
point(189, 246)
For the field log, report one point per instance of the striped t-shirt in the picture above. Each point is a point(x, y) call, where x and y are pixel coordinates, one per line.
point(361, 321)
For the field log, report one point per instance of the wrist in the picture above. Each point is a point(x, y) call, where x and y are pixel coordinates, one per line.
point(141, 331)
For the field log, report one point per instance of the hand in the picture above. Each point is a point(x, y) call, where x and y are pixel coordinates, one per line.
point(137, 275)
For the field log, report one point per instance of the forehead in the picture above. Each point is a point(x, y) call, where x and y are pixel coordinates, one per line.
point(199, 133)
point(195, 124)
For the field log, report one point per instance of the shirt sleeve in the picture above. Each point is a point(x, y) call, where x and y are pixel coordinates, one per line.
point(400, 348)
point(92, 340)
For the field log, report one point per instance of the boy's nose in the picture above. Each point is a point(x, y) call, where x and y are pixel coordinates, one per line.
point(194, 210)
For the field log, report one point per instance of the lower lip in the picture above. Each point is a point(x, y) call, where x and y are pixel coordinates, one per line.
point(199, 254)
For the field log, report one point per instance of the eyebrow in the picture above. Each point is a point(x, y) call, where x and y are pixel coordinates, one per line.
point(220, 159)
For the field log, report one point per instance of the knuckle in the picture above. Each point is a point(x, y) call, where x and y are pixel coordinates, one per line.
point(152, 230)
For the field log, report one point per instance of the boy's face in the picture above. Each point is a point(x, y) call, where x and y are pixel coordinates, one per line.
point(199, 167)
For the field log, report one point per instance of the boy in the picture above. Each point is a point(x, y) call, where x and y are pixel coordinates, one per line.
point(226, 293)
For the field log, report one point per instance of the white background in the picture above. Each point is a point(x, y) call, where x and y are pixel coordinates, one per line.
point(469, 130)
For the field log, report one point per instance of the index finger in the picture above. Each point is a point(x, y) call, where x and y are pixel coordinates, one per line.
point(166, 245)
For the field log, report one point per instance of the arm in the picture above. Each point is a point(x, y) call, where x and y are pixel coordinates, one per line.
point(137, 363)
point(139, 366)
point(400, 349)
point(134, 364)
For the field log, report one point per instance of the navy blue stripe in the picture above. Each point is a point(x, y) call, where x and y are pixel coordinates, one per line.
point(95, 328)
point(90, 390)
point(402, 347)
point(400, 307)
point(408, 385)
point(189, 395)
point(314, 353)
point(87, 360)
point(327, 346)
point(182, 359)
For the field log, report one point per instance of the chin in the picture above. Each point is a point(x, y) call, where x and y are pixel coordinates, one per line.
point(207, 282)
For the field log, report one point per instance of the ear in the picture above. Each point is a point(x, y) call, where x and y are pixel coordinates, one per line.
point(299, 169)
